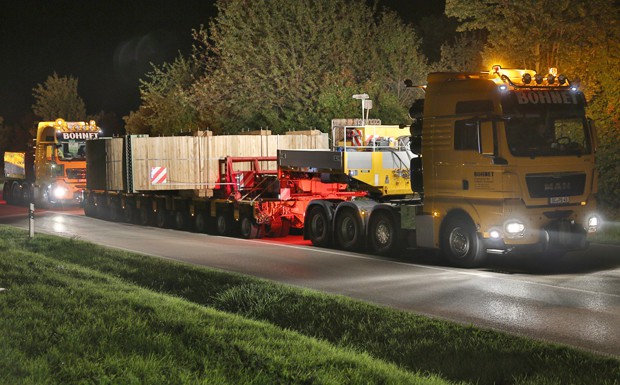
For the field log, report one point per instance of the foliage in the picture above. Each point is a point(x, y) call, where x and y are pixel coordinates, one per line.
point(578, 37)
point(414, 343)
point(63, 323)
point(284, 65)
point(58, 97)
point(167, 101)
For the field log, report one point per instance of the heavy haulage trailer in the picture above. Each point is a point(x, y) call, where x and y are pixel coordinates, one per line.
point(226, 185)
point(494, 162)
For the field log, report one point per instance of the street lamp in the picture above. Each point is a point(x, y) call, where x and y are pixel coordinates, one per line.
point(366, 105)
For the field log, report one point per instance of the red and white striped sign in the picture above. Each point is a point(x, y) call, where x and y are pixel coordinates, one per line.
point(159, 175)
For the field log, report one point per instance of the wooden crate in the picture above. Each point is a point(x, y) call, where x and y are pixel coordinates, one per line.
point(192, 162)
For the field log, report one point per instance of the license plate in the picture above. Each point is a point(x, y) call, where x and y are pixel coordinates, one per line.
point(558, 200)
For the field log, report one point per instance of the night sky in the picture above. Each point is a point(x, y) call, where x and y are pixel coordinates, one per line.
point(106, 44)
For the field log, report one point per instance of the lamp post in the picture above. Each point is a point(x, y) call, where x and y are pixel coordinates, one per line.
point(365, 105)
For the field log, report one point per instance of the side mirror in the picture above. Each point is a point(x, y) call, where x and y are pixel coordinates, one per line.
point(594, 136)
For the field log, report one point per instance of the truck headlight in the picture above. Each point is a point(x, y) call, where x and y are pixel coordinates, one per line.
point(59, 191)
point(514, 229)
point(593, 223)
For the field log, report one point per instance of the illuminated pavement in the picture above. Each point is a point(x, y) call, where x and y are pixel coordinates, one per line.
point(576, 303)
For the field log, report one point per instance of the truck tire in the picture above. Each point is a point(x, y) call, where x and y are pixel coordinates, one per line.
point(128, 214)
point(225, 224)
point(383, 233)
point(143, 216)
point(461, 244)
point(181, 220)
point(349, 230)
point(248, 228)
point(6, 192)
point(318, 227)
point(162, 218)
point(16, 194)
point(201, 223)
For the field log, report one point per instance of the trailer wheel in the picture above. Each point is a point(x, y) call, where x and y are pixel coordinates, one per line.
point(224, 224)
point(16, 194)
point(349, 230)
point(115, 213)
point(181, 220)
point(128, 214)
point(201, 222)
point(162, 218)
point(89, 207)
point(383, 233)
point(249, 229)
point(318, 227)
point(460, 243)
point(143, 216)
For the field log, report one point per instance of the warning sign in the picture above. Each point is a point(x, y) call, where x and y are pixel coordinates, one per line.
point(159, 175)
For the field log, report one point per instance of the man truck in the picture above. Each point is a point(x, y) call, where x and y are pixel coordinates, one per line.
point(53, 173)
point(501, 162)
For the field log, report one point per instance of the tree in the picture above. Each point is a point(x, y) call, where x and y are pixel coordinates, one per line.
point(58, 97)
point(168, 105)
point(286, 65)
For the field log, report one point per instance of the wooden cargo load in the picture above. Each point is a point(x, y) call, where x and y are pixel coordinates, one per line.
point(141, 163)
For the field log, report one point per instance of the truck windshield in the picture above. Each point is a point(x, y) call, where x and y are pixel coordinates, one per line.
point(546, 123)
point(535, 136)
point(71, 150)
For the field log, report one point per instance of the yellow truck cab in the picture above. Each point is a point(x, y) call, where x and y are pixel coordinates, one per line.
point(59, 163)
point(508, 160)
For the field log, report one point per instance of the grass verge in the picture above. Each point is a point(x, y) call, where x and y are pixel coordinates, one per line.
point(415, 344)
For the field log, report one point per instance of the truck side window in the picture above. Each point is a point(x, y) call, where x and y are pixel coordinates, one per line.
point(465, 135)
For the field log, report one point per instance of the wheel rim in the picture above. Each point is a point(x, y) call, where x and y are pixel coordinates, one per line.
point(459, 242)
point(246, 227)
point(382, 233)
point(318, 226)
point(347, 229)
point(221, 225)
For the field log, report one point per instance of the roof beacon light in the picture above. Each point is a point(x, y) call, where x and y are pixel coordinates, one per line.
point(550, 79)
point(538, 78)
point(562, 79)
point(527, 78)
point(553, 71)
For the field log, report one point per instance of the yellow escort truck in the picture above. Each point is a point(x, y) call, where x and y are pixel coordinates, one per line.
point(55, 173)
point(497, 162)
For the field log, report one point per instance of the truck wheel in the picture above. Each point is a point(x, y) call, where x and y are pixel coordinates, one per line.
point(249, 229)
point(89, 207)
point(181, 220)
point(349, 230)
point(201, 222)
point(115, 213)
point(383, 233)
point(16, 194)
point(128, 214)
point(143, 216)
point(162, 218)
point(318, 227)
point(460, 243)
point(224, 224)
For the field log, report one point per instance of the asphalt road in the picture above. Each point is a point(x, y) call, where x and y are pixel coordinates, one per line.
point(575, 302)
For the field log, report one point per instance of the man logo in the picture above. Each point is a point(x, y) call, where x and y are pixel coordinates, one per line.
point(557, 186)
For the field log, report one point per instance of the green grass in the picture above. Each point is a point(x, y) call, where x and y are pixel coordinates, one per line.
point(126, 318)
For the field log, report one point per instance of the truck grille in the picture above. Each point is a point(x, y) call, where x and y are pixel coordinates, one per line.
point(555, 185)
point(76, 173)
